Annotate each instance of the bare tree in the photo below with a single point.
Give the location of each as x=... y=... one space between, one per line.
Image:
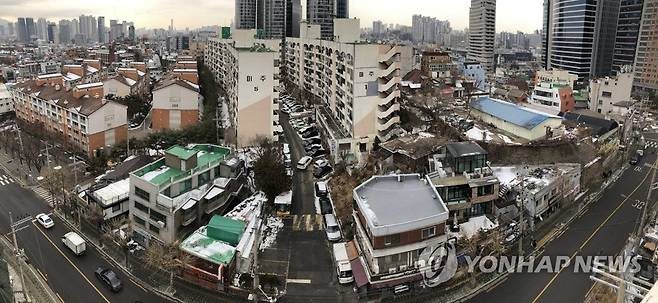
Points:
x=167 y=257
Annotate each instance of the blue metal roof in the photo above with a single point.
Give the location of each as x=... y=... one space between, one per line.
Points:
x=512 y=113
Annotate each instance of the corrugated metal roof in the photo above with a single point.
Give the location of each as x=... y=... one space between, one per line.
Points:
x=512 y=113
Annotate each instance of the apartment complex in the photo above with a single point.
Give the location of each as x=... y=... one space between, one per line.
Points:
x=170 y=197
x=358 y=84
x=248 y=70
x=399 y=220
x=176 y=104
x=80 y=114
x=646 y=65
x=482 y=33
x=605 y=92
x=464 y=180
x=6 y=104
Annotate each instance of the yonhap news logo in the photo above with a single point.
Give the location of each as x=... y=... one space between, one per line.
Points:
x=441 y=265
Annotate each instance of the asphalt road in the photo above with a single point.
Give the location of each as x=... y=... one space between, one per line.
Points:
x=311 y=275
x=602 y=229
x=70 y=276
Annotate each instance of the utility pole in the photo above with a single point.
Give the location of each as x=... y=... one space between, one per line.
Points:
x=522 y=197
x=646 y=203
x=17 y=251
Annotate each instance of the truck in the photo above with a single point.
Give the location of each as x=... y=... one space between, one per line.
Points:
x=343 y=267
x=75 y=243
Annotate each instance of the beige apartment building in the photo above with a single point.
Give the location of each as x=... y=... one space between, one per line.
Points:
x=357 y=82
x=248 y=70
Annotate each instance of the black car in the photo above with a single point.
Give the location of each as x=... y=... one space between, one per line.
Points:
x=321 y=172
x=309 y=133
x=634 y=160
x=109 y=278
x=312 y=140
x=647 y=271
x=316 y=152
x=325 y=205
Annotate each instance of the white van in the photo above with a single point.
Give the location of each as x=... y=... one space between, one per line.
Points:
x=75 y=243
x=343 y=267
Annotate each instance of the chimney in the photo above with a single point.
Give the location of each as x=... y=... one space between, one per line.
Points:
x=57 y=87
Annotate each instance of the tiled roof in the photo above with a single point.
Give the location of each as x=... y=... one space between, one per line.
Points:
x=85 y=105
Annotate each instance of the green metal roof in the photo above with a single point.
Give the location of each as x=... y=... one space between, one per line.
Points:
x=225 y=229
x=200 y=245
x=181 y=152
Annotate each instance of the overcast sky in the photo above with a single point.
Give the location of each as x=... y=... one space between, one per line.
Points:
x=512 y=15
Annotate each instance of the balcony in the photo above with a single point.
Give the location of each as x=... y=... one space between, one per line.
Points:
x=388 y=55
x=390 y=84
x=387 y=100
x=392 y=109
x=383 y=125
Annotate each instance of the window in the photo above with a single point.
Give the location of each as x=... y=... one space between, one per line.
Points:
x=392 y=240
x=116 y=208
x=154 y=228
x=249 y=78
x=204 y=178
x=142 y=194
x=427 y=233
x=141 y=207
x=606 y=94
x=139 y=220
x=255 y=88
x=360 y=74
x=485 y=190
x=371 y=73
x=156 y=216
x=186 y=186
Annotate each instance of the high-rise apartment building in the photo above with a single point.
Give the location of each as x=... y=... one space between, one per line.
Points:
x=646 y=64
x=31 y=29
x=342 y=9
x=271 y=18
x=42 y=29
x=245 y=14
x=356 y=82
x=430 y=30
x=51 y=33
x=628 y=31
x=322 y=12
x=101 y=29
x=578 y=36
x=248 y=70
x=21 y=30
x=293 y=17
x=94 y=29
x=482 y=33
x=65 y=31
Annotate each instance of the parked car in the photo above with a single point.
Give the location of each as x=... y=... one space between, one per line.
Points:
x=286 y=148
x=309 y=134
x=325 y=205
x=304 y=162
x=331 y=228
x=109 y=278
x=321 y=163
x=647 y=271
x=634 y=159
x=322 y=172
x=321 y=189
x=307 y=128
x=315 y=139
x=45 y=221
x=317 y=153
x=311 y=147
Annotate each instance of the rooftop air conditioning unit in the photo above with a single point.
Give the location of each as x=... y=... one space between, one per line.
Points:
x=392 y=270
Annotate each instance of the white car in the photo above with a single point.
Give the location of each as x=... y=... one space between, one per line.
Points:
x=304 y=162
x=331 y=228
x=45 y=221
x=286 y=148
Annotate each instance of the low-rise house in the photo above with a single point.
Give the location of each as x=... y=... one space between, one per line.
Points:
x=176 y=104
x=85 y=72
x=462 y=176
x=552 y=98
x=170 y=196
x=412 y=152
x=543 y=188
x=519 y=121
x=599 y=126
x=397 y=218
x=413 y=79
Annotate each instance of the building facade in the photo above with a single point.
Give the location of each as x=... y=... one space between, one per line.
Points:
x=482 y=33
x=176 y=104
x=248 y=70
x=628 y=31
x=552 y=98
x=322 y=12
x=80 y=115
x=646 y=66
x=293 y=17
x=605 y=92
x=357 y=84
x=170 y=197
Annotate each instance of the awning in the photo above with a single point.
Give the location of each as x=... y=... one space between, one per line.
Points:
x=360 y=277
x=189 y=204
x=351 y=250
x=214 y=192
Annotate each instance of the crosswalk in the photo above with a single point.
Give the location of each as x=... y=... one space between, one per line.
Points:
x=652 y=144
x=307 y=222
x=4 y=180
x=44 y=194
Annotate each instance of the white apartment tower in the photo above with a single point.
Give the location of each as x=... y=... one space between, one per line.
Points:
x=482 y=33
x=356 y=82
x=248 y=70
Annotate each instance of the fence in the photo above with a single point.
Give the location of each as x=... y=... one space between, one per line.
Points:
x=36 y=287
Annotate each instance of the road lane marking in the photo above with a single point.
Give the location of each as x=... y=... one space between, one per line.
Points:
x=42 y=275
x=60 y=297
x=309 y=226
x=72 y=264
x=550 y=282
x=298 y=281
x=137 y=284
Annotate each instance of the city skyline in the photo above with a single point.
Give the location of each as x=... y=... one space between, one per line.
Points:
x=157 y=14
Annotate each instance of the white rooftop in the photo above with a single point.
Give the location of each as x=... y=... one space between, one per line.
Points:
x=114 y=192
x=399 y=203
x=89 y=85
